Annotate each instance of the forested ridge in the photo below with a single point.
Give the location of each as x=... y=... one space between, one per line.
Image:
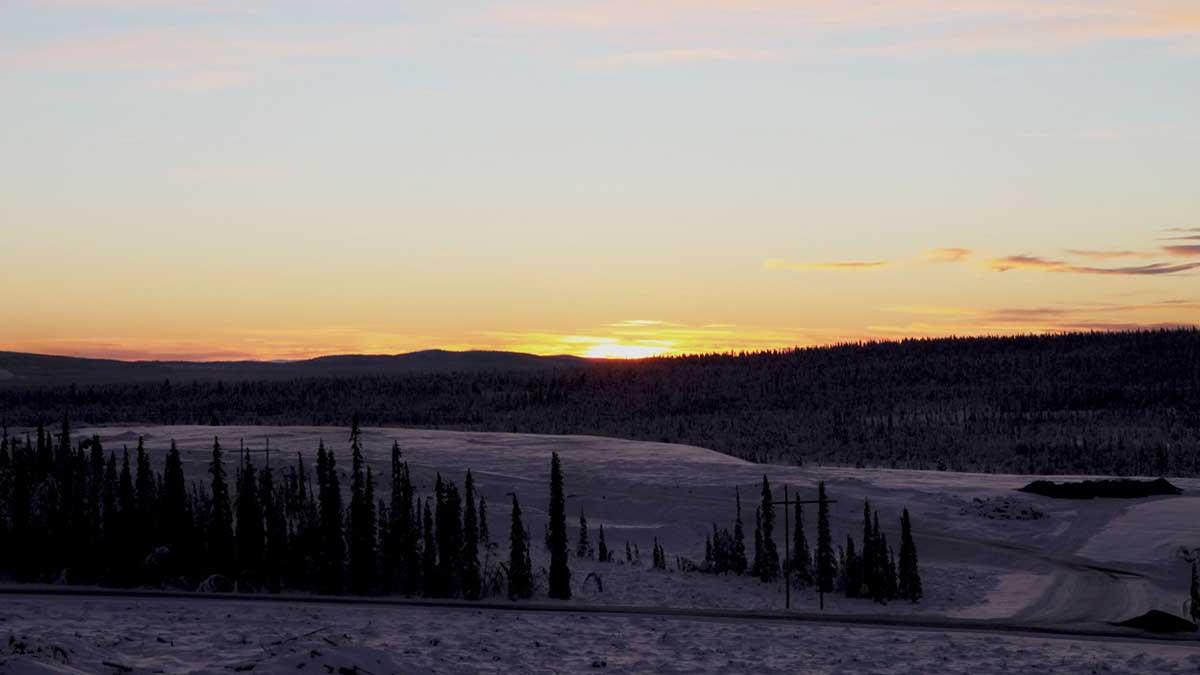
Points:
x=1110 y=403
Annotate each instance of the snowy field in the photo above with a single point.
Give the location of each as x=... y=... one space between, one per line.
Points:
x=70 y=636
x=987 y=552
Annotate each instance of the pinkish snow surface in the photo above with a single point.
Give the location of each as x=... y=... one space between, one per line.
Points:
x=73 y=636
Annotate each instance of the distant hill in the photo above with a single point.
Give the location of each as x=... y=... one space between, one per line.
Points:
x=18 y=369
x=1124 y=404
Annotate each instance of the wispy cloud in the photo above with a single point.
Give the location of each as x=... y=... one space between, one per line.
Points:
x=832 y=27
x=1016 y=262
x=200 y=58
x=948 y=255
x=845 y=265
x=1091 y=254
x=1184 y=251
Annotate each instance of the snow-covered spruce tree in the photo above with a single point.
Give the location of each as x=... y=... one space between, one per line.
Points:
x=801 y=557
x=738 y=558
x=220 y=519
x=520 y=576
x=472 y=578
x=824 y=555
x=909 y=574
x=602 y=552
x=584 y=548
x=560 y=573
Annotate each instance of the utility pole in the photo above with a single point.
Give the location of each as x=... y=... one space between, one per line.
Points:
x=787 y=534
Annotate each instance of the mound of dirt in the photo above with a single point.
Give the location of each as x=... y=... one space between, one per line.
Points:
x=1124 y=488
x=1156 y=621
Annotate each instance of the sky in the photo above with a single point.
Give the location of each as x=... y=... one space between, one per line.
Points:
x=213 y=179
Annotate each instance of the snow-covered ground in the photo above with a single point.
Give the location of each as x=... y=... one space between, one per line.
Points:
x=986 y=551
x=71 y=636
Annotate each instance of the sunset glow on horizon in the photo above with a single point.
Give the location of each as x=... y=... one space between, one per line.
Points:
x=213 y=180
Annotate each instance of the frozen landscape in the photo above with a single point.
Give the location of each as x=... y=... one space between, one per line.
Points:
x=988 y=554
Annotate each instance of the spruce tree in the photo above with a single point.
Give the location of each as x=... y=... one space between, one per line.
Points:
x=485 y=536
x=249 y=536
x=472 y=578
x=909 y=574
x=801 y=557
x=824 y=556
x=127 y=540
x=220 y=519
x=757 y=568
x=176 y=516
x=147 y=499
x=399 y=525
x=768 y=567
x=448 y=521
x=854 y=570
x=602 y=547
x=868 y=553
x=879 y=581
x=362 y=521
x=275 y=549
x=429 y=554
x=560 y=573
x=1194 y=592
x=520 y=574
x=332 y=540
x=739 y=538
x=111 y=516
x=584 y=548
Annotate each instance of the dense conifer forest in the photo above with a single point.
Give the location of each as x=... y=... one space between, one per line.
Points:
x=1089 y=403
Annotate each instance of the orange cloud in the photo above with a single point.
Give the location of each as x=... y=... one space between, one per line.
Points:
x=1184 y=251
x=1105 y=255
x=948 y=255
x=1013 y=262
x=849 y=265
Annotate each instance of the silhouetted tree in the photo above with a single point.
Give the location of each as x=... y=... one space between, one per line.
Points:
x=824 y=555
x=560 y=573
x=520 y=574
x=472 y=578
x=909 y=574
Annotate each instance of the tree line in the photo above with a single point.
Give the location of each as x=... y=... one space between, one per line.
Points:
x=872 y=570
x=77 y=513
x=1083 y=403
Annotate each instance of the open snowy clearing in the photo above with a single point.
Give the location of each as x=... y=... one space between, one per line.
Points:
x=986 y=550
x=69 y=636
